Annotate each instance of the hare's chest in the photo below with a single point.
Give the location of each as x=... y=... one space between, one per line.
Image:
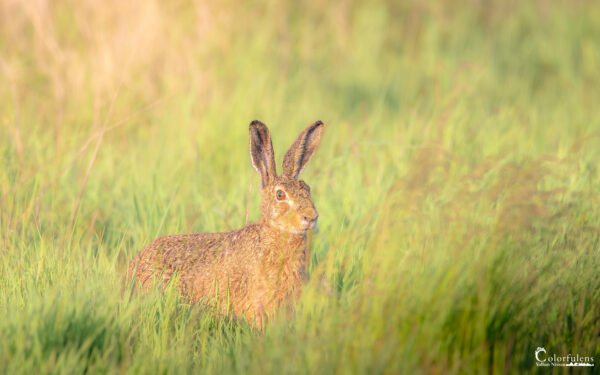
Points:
x=282 y=271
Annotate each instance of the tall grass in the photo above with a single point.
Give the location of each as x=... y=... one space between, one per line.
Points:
x=457 y=181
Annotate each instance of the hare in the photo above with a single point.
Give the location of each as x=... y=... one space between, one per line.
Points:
x=252 y=271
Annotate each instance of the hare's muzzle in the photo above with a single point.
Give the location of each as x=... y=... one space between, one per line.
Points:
x=314 y=225
x=310 y=221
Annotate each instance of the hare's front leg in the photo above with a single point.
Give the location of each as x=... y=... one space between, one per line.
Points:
x=256 y=317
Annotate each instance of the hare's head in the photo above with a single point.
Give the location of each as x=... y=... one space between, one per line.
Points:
x=285 y=200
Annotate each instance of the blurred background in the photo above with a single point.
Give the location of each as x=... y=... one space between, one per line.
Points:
x=72 y=64
x=457 y=181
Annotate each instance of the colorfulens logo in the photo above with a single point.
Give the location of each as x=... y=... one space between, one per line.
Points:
x=543 y=359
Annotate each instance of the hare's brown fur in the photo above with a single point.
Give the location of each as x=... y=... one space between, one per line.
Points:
x=252 y=271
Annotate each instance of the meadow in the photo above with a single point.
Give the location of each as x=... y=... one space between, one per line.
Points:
x=457 y=181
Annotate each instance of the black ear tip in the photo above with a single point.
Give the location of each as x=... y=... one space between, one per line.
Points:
x=318 y=123
x=256 y=123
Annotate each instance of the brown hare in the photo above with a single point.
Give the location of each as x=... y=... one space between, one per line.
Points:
x=252 y=271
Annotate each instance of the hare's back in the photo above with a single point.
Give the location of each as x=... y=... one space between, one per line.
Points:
x=177 y=253
x=187 y=249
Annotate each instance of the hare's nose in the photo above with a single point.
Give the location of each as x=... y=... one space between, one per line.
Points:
x=311 y=218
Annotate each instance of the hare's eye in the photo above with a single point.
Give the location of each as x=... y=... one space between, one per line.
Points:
x=280 y=194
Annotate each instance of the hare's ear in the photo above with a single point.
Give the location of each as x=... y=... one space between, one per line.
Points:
x=261 y=152
x=302 y=150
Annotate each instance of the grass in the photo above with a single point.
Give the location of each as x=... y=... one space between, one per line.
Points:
x=457 y=181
